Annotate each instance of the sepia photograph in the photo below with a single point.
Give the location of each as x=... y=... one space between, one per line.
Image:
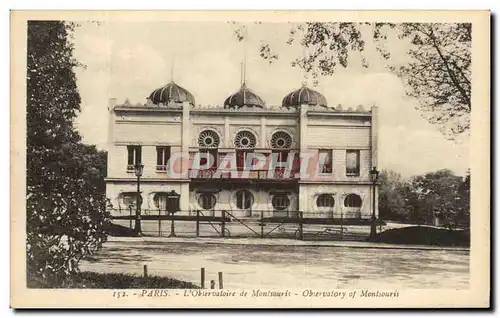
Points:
x=250 y=160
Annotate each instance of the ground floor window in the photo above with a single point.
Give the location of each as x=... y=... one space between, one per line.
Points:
x=160 y=200
x=352 y=201
x=280 y=202
x=207 y=201
x=128 y=200
x=325 y=201
x=244 y=199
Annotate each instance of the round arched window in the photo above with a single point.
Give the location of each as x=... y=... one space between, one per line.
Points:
x=280 y=202
x=160 y=200
x=352 y=201
x=207 y=201
x=325 y=201
x=208 y=139
x=244 y=199
x=245 y=140
x=281 y=140
x=129 y=199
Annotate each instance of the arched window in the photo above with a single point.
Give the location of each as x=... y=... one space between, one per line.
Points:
x=207 y=201
x=208 y=139
x=245 y=140
x=352 y=201
x=325 y=200
x=128 y=200
x=244 y=199
x=281 y=140
x=160 y=200
x=208 y=142
x=280 y=202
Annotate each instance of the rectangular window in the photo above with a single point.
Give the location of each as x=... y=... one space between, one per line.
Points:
x=352 y=162
x=134 y=157
x=162 y=157
x=241 y=159
x=207 y=153
x=325 y=162
x=282 y=156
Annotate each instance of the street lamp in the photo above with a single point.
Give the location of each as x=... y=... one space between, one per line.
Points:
x=173 y=205
x=373 y=229
x=138 y=173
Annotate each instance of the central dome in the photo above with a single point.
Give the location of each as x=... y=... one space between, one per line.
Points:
x=304 y=95
x=171 y=93
x=244 y=97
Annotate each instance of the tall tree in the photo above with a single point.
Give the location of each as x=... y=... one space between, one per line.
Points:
x=392 y=204
x=437 y=72
x=66 y=204
x=438 y=194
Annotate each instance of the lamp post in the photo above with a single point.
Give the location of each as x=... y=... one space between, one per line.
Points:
x=138 y=173
x=373 y=229
x=173 y=205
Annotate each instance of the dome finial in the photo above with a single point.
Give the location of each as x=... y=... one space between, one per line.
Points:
x=304 y=73
x=242 y=81
x=245 y=67
x=172 y=70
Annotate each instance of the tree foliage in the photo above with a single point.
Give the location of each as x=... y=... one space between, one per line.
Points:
x=438 y=194
x=391 y=195
x=438 y=74
x=437 y=70
x=66 y=204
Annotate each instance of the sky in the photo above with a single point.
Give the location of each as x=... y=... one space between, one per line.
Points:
x=128 y=60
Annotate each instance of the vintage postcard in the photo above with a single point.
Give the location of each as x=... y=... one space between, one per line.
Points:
x=250 y=159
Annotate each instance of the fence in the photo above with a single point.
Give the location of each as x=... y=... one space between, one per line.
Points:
x=260 y=223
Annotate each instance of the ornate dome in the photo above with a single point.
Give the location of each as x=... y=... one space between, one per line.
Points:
x=244 y=97
x=171 y=93
x=304 y=95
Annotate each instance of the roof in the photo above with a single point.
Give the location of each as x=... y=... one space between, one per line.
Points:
x=171 y=93
x=304 y=95
x=244 y=97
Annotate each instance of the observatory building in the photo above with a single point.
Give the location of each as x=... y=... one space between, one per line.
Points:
x=244 y=157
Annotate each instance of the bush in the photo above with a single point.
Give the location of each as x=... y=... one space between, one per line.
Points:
x=111 y=280
x=423 y=235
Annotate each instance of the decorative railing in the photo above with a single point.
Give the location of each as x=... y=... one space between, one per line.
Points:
x=235 y=174
x=161 y=168
x=250 y=213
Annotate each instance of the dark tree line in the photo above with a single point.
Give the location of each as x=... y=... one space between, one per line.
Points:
x=66 y=203
x=423 y=198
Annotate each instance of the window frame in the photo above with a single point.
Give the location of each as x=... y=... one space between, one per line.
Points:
x=203 y=196
x=322 y=199
x=134 y=157
x=349 y=198
x=357 y=170
x=241 y=159
x=125 y=196
x=329 y=166
x=250 y=196
x=282 y=207
x=156 y=200
x=162 y=158
x=215 y=154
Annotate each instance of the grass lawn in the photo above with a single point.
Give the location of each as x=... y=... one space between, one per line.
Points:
x=112 y=281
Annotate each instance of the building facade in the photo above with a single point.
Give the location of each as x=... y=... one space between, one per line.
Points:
x=243 y=157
